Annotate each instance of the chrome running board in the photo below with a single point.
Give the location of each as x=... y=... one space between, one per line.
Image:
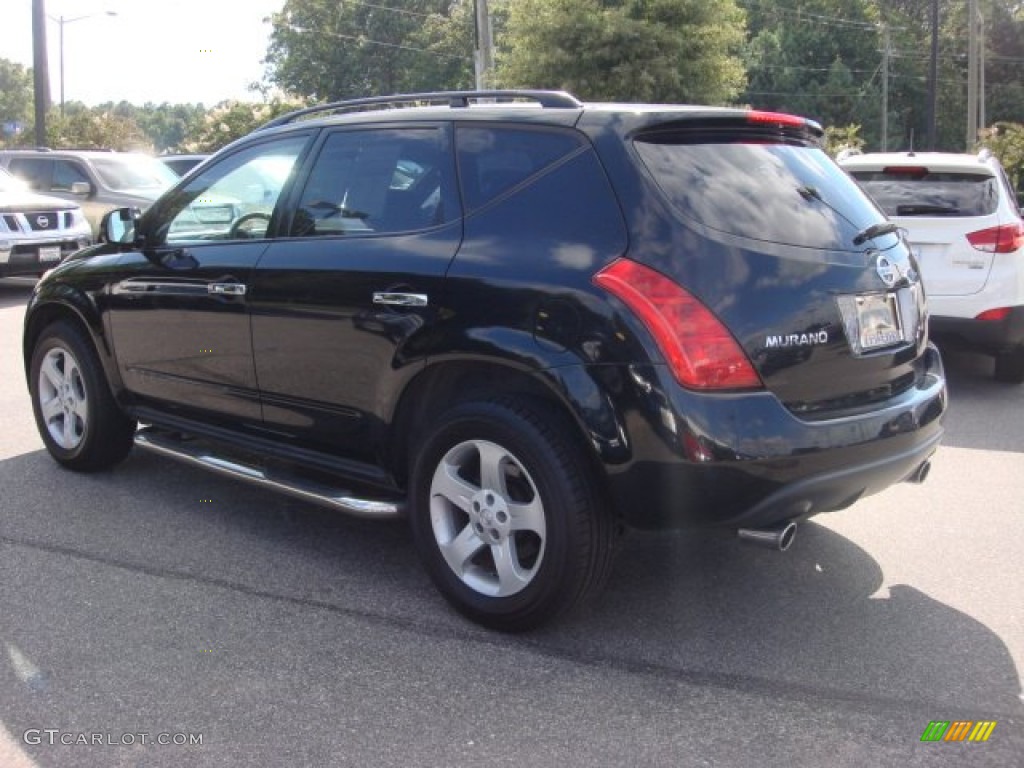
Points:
x=201 y=455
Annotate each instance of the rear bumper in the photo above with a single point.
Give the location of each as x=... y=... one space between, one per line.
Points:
x=982 y=335
x=745 y=461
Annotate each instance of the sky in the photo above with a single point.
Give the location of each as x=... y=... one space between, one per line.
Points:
x=178 y=51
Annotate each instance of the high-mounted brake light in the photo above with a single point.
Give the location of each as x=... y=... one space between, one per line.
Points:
x=776 y=118
x=698 y=348
x=1005 y=238
x=917 y=171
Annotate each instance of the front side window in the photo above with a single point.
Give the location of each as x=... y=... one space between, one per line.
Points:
x=134 y=173
x=33 y=171
x=233 y=199
x=65 y=174
x=379 y=181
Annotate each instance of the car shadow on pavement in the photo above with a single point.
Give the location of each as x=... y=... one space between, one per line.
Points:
x=809 y=622
x=983 y=413
x=699 y=608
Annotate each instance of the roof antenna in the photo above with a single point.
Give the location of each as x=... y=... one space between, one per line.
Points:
x=911 y=152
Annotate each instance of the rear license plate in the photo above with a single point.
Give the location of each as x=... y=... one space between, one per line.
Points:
x=49 y=253
x=878 y=321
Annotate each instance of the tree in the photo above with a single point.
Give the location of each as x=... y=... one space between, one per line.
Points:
x=1006 y=141
x=845 y=137
x=818 y=58
x=15 y=96
x=324 y=50
x=625 y=50
x=231 y=120
x=83 y=127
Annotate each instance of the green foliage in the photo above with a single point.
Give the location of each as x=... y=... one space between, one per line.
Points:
x=231 y=120
x=15 y=95
x=1006 y=141
x=326 y=51
x=626 y=50
x=82 y=127
x=823 y=59
x=840 y=137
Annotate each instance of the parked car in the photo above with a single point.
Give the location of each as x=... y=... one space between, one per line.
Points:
x=36 y=231
x=522 y=322
x=182 y=164
x=97 y=181
x=964 y=224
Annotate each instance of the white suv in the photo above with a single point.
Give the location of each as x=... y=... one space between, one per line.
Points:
x=964 y=225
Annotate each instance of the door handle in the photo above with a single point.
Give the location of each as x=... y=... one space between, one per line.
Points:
x=226 y=289
x=400 y=299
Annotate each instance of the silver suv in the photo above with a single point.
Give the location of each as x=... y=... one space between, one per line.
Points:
x=36 y=232
x=98 y=181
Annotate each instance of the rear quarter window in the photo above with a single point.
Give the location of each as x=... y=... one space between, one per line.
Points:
x=767 y=190
x=495 y=159
x=920 y=192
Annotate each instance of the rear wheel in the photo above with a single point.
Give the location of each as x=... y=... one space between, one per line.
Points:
x=506 y=514
x=1010 y=366
x=76 y=415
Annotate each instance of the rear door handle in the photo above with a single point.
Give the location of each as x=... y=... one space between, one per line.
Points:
x=226 y=289
x=400 y=299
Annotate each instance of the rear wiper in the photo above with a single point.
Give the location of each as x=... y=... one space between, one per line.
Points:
x=875 y=230
x=925 y=209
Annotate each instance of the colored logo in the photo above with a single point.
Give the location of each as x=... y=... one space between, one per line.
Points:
x=958 y=730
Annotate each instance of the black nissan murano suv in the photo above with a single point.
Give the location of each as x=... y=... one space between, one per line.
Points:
x=522 y=322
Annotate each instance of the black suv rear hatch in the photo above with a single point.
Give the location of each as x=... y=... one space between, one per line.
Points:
x=785 y=249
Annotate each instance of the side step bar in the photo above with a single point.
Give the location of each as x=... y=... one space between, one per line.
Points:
x=199 y=454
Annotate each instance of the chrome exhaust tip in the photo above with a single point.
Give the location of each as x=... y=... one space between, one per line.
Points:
x=920 y=474
x=779 y=538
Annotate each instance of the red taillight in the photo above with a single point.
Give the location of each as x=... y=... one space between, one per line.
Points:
x=1005 y=238
x=698 y=348
x=776 y=118
x=994 y=314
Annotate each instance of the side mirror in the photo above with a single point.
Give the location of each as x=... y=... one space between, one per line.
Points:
x=119 y=225
x=81 y=188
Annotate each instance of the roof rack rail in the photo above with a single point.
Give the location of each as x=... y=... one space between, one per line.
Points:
x=547 y=99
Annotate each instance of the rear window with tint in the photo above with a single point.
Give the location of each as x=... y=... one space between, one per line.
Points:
x=911 y=192
x=779 y=192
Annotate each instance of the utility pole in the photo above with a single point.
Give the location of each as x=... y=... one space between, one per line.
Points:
x=972 y=74
x=886 y=51
x=933 y=80
x=981 y=69
x=40 y=70
x=483 y=56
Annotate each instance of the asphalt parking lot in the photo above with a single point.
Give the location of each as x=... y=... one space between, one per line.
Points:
x=159 y=601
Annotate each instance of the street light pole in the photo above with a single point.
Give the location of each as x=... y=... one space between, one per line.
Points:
x=61 y=21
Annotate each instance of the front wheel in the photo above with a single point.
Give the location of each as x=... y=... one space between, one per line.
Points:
x=76 y=415
x=506 y=514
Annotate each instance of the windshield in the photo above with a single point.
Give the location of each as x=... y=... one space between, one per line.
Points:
x=10 y=183
x=913 y=192
x=134 y=172
x=788 y=193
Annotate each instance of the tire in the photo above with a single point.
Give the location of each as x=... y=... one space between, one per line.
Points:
x=81 y=425
x=1010 y=366
x=497 y=483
